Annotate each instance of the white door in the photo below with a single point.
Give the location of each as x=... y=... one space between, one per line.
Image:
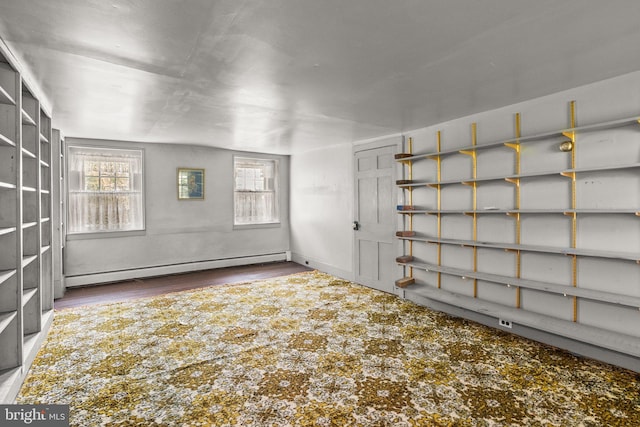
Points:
x=375 y=217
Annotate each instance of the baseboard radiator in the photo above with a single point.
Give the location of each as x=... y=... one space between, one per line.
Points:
x=139 y=273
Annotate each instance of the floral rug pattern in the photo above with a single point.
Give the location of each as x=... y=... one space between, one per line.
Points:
x=312 y=350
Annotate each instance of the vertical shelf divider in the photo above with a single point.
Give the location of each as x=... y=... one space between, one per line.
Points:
x=410 y=189
x=439 y=202
x=39 y=157
x=474 y=186
x=516 y=182
x=19 y=216
x=571 y=134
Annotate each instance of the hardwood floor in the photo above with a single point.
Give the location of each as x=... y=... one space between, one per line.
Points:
x=150 y=286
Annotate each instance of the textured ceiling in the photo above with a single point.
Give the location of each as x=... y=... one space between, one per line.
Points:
x=287 y=75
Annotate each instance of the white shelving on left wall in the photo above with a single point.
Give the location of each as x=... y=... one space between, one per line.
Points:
x=26 y=274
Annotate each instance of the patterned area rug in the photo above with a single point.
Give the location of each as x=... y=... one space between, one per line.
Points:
x=312 y=350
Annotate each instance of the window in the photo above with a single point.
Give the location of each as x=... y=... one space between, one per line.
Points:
x=256 y=191
x=105 y=190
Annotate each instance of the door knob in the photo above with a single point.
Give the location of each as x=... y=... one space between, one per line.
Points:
x=356 y=225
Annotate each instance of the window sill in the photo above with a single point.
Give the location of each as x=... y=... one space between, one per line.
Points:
x=105 y=234
x=263 y=225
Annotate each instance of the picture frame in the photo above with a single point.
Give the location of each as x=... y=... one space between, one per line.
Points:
x=190 y=184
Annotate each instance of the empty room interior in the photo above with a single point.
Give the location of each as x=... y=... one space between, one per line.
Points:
x=320 y=213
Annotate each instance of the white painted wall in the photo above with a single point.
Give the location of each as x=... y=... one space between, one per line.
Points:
x=181 y=232
x=322 y=209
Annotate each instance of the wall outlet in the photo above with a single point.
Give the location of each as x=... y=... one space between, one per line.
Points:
x=504 y=323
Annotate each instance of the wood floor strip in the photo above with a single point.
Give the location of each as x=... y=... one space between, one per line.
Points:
x=151 y=286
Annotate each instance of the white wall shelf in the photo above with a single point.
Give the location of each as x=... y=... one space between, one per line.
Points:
x=5 y=319
x=560 y=134
x=565 y=173
x=27 y=120
x=529 y=248
x=543 y=229
x=6 y=141
x=508 y=281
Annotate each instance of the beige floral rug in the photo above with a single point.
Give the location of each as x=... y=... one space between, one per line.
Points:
x=312 y=350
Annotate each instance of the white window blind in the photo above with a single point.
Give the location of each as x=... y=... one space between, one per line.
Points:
x=105 y=190
x=256 y=191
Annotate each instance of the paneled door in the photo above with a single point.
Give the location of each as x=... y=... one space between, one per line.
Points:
x=375 y=217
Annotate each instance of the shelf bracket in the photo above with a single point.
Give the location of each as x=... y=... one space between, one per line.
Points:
x=571 y=175
x=515 y=181
x=513 y=145
x=569 y=134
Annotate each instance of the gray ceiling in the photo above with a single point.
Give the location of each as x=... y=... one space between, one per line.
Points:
x=287 y=75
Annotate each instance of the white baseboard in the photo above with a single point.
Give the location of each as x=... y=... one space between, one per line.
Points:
x=138 y=273
x=325 y=268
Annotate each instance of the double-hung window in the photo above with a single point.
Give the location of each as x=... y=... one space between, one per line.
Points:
x=255 y=191
x=105 y=190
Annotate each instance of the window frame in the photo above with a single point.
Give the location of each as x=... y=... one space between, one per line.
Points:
x=276 y=191
x=82 y=235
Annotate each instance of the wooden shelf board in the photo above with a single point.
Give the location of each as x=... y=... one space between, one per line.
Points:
x=44 y=191
x=415 y=184
x=602 y=338
x=45 y=219
x=527 y=211
x=27 y=120
x=26 y=225
x=489 y=145
x=6 y=275
x=531 y=138
x=27 y=294
x=628 y=256
x=4 y=141
x=26 y=260
x=44 y=249
x=27 y=153
x=603 y=211
x=44 y=164
x=7 y=185
x=5 y=98
x=564 y=290
x=558 y=173
x=612 y=124
x=6 y=318
x=603 y=168
x=29 y=189
x=7 y=230
x=44 y=138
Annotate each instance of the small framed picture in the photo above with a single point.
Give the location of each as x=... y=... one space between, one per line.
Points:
x=190 y=184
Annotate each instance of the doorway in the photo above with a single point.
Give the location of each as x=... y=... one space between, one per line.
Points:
x=375 y=216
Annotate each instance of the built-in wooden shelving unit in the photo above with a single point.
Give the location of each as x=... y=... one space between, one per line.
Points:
x=26 y=280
